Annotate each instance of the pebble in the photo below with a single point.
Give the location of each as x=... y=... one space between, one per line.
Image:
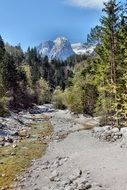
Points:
x=54 y=175
x=13 y=154
x=107 y=133
x=65 y=182
x=14 y=145
x=88 y=185
x=69 y=188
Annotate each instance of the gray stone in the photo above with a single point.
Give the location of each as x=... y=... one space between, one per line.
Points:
x=65 y=182
x=54 y=175
x=69 y=188
x=77 y=173
x=81 y=187
x=88 y=185
x=107 y=128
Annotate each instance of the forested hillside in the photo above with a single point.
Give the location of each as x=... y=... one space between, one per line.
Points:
x=28 y=79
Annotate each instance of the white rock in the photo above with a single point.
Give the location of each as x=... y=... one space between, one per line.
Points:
x=54 y=175
x=115 y=130
x=77 y=173
x=124 y=134
x=14 y=145
x=124 y=131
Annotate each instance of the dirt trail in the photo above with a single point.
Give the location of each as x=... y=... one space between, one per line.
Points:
x=78 y=161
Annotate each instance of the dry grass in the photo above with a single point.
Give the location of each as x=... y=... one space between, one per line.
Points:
x=88 y=126
x=14 y=160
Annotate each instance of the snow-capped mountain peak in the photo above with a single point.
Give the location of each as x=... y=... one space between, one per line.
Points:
x=61 y=49
x=60 y=40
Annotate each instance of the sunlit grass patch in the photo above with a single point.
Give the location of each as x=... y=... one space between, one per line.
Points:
x=14 y=160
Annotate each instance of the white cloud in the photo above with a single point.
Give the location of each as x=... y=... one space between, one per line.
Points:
x=93 y=4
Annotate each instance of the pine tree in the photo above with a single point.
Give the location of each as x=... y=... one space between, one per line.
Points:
x=10 y=73
x=107 y=63
x=2 y=49
x=2 y=52
x=34 y=62
x=3 y=99
x=121 y=105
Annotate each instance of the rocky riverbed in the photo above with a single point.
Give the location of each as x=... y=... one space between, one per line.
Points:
x=16 y=126
x=81 y=155
x=75 y=160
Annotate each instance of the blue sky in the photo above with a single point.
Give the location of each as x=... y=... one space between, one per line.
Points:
x=30 y=22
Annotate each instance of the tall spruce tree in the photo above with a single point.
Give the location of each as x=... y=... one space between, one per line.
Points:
x=2 y=52
x=2 y=49
x=107 y=62
x=121 y=105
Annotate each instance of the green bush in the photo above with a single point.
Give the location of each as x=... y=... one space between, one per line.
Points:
x=73 y=99
x=3 y=101
x=3 y=106
x=42 y=92
x=58 y=98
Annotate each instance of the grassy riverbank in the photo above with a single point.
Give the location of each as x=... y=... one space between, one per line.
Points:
x=14 y=159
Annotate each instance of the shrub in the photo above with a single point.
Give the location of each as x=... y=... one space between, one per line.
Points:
x=42 y=92
x=3 y=101
x=73 y=99
x=26 y=69
x=3 y=106
x=58 y=98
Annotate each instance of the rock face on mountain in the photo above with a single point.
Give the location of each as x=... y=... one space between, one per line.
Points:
x=45 y=49
x=58 y=49
x=61 y=49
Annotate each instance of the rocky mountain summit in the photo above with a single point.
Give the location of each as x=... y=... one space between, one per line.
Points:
x=58 y=49
x=62 y=49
